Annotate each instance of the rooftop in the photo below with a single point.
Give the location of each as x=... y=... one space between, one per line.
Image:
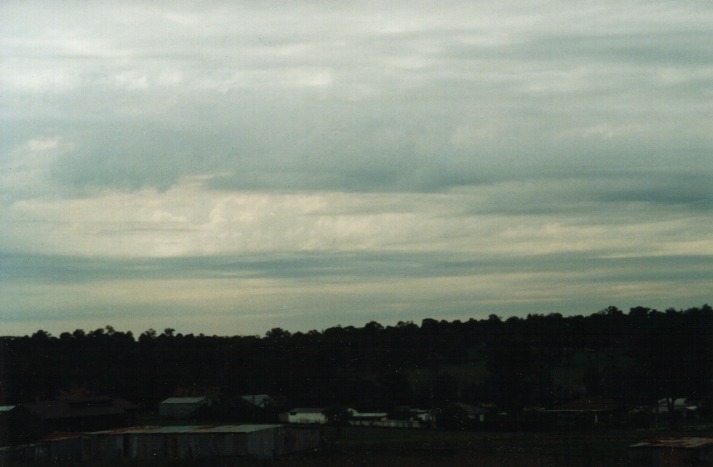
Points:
x=184 y=400
x=308 y=410
x=187 y=429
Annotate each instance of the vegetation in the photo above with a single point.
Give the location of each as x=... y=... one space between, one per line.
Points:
x=540 y=360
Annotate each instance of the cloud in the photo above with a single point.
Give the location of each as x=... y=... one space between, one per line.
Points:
x=383 y=99
x=312 y=290
x=504 y=218
x=372 y=142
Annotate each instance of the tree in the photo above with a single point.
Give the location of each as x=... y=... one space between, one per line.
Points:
x=277 y=334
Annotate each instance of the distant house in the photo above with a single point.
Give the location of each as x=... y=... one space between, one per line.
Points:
x=412 y=414
x=305 y=416
x=474 y=413
x=682 y=408
x=85 y=414
x=366 y=416
x=183 y=407
x=379 y=419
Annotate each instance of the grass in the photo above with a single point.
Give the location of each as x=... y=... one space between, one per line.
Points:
x=383 y=446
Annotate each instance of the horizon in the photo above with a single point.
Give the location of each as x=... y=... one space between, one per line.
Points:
x=236 y=167
x=417 y=322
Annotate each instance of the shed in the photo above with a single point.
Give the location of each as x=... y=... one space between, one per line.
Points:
x=197 y=442
x=307 y=415
x=366 y=416
x=182 y=407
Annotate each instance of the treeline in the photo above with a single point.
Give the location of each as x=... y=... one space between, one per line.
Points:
x=635 y=357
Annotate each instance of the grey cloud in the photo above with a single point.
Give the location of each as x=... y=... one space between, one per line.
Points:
x=349 y=267
x=592 y=117
x=233 y=110
x=693 y=191
x=368 y=286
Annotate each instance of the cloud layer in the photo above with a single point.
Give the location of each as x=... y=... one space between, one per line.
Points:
x=361 y=161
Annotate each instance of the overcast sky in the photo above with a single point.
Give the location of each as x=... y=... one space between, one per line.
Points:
x=229 y=167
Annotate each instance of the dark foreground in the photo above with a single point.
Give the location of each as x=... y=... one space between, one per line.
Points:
x=377 y=447
x=362 y=446
x=358 y=446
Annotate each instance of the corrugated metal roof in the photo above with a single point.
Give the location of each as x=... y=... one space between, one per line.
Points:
x=308 y=410
x=685 y=443
x=129 y=429
x=184 y=400
x=237 y=428
x=187 y=429
x=59 y=436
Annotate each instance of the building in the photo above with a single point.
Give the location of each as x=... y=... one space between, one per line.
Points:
x=683 y=409
x=474 y=413
x=423 y=416
x=305 y=416
x=198 y=442
x=183 y=407
x=366 y=416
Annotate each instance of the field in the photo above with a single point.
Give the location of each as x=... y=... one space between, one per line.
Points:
x=395 y=448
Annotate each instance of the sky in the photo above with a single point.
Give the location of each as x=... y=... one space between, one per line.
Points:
x=228 y=167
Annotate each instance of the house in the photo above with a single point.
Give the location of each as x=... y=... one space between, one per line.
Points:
x=77 y=415
x=673 y=451
x=183 y=407
x=474 y=413
x=366 y=416
x=379 y=419
x=415 y=415
x=305 y=416
x=682 y=408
